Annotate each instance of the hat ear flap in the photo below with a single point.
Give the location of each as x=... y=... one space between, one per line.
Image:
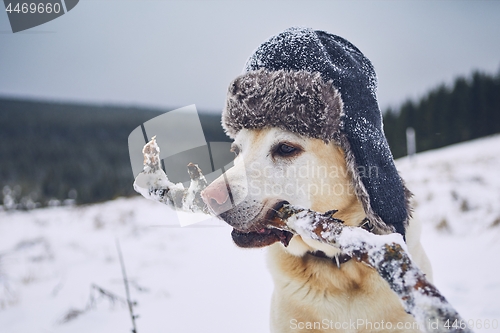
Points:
x=378 y=183
x=385 y=200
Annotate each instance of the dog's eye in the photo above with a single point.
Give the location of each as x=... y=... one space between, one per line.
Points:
x=286 y=150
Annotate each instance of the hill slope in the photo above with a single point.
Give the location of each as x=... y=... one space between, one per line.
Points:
x=194 y=279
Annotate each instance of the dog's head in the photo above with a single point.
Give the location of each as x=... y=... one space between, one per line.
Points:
x=273 y=167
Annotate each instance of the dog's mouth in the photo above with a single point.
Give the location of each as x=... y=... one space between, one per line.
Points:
x=263 y=234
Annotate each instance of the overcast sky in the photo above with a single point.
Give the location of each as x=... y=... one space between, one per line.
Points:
x=175 y=53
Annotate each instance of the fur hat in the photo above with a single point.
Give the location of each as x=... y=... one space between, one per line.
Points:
x=321 y=86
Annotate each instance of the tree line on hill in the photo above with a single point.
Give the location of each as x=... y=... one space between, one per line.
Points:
x=52 y=153
x=466 y=110
x=61 y=152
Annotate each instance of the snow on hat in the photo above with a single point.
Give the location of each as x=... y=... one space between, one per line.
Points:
x=321 y=86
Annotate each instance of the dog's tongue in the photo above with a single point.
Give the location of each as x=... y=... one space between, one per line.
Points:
x=261 y=238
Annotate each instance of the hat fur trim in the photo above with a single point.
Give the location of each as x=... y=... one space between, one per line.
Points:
x=297 y=101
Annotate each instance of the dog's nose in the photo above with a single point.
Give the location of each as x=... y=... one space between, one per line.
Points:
x=218 y=197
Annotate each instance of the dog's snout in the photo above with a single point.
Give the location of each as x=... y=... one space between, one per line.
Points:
x=218 y=197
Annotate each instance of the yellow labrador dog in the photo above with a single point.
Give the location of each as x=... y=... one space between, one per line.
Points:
x=307 y=131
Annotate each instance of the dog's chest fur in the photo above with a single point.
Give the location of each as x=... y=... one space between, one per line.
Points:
x=313 y=295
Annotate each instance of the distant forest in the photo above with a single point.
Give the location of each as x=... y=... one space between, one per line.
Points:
x=466 y=110
x=51 y=152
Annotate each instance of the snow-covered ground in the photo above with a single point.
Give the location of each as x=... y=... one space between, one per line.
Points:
x=457 y=198
x=54 y=260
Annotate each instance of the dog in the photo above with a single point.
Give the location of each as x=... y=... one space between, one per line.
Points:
x=293 y=146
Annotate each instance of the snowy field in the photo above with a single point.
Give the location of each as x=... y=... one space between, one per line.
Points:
x=60 y=270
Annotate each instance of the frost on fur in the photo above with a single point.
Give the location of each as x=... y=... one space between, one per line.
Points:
x=387 y=254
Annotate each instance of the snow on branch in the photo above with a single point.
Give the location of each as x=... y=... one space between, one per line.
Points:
x=153 y=183
x=387 y=254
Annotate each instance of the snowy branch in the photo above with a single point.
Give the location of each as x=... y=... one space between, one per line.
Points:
x=153 y=183
x=387 y=254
